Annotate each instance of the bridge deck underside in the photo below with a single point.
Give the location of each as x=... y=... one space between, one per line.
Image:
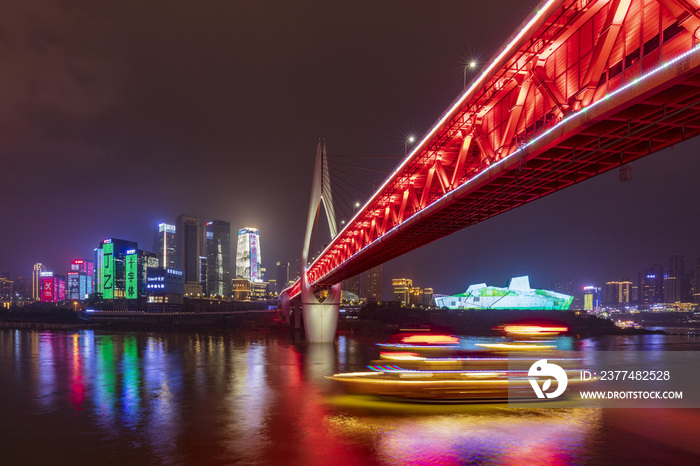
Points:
x=669 y=117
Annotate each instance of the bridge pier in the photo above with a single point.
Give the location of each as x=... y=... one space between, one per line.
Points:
x=297 y=316
x=285 y=306
x=320 y=318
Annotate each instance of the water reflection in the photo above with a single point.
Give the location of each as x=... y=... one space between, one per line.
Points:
x=46 y=386
x=184 y=398
x=77 y=385
x=482 y=435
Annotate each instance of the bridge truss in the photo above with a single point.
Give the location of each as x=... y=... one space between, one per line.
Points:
x=583 y=87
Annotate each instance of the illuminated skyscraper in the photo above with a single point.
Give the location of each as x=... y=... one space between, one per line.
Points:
x=203 y=272
x=218 y=262
x=164 y=245
x=53 y=287
x=618 y=292
x=117 y=262
x=373 y=283
x=591 y=298
x=36 y=280
x=651 y=285
x=248 y=260
x=187 y=245
x=80 y=279
x=281 y=276
x=674 y=279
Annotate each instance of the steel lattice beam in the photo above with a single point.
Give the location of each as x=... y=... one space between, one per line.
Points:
x=584 y=87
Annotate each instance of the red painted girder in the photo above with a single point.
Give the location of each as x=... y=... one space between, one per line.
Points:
x=415 y=184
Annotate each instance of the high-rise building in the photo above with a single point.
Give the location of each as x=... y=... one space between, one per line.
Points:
x=591 y=298
x=625 y=291
x=218 y=234
x=674 y=279
x=689 y=293
x=84 y=285
x=618 y=292
x=651 y=285
x=563 y=286
x=352 y=285
x=53 y=287
x=373 y=283
x=402 y=290
x=36 y=280
x=203 y=273
x=164 y=245
x=147 y=260
x=296 y=274
x=187 y=246
x=248 y=260
x=7 y=288
x=22 y=289
x=281 y=276
x=427 y=298
x=117 y=266
x=416 y=297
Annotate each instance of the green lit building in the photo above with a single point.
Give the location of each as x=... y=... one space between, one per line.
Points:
x=121 y=273
x=517 y=295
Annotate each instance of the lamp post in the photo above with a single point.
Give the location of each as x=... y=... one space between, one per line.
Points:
x=470 y=66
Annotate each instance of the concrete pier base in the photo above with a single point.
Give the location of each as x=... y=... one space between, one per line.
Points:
x=320 y=319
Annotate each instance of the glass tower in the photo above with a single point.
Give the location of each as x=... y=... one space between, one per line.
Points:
x=218 y=261
x=187 y=240
x=248 y=255
x=164 y=245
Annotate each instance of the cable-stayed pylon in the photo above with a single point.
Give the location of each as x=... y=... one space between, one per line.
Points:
x=320 y=317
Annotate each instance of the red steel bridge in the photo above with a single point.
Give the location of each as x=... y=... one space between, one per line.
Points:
x=583 y=87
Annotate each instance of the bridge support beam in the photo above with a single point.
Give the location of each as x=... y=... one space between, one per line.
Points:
x=320 y=318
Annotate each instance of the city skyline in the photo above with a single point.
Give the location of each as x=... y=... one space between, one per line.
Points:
x=147 y=138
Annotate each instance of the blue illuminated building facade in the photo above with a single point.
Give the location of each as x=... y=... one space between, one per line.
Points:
x=165 y=290
x=651 y=285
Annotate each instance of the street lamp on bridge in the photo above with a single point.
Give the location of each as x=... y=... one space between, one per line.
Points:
x=469 y=66
x=410 y=140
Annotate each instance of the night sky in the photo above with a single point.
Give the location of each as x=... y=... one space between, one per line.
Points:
x=120 y=115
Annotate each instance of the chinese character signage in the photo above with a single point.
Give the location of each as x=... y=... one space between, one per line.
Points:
x=131 y=276
x=47 y=290
x=108 y=271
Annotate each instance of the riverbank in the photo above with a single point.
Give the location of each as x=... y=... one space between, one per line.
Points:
x=378 y=323
x=480 y=322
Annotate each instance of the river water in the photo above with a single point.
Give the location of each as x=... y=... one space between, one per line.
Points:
x=107 y=397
